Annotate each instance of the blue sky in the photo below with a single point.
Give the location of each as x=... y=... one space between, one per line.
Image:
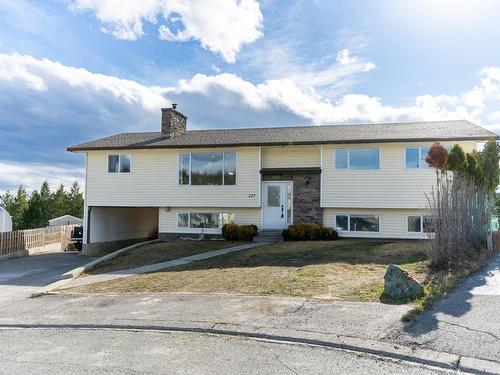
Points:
x=76 y=70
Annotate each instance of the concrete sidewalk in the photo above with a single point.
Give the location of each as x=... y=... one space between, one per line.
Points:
x=92 y=279
x=352 y=326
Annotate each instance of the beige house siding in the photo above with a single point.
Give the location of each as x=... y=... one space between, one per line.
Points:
x=391 y=186
x=153 y=181
x=291 y=156
x=168 y=219
x=392 y=222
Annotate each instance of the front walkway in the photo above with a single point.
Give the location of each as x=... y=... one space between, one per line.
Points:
x=92 y=279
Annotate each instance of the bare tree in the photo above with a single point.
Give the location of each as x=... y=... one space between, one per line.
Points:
x=460 y=207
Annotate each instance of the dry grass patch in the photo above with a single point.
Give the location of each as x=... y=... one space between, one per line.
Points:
x=344 y=269
x=159 y=252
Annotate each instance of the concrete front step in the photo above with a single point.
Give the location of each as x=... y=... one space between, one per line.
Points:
x=269 y=236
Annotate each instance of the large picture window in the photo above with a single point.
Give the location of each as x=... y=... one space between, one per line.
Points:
x=357 y=158
x=119 y=163
x=357 y=223
x=204 y=219
x=207 y=168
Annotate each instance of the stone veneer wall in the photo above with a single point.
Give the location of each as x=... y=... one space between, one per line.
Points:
x=173 y=123
x=306 y=197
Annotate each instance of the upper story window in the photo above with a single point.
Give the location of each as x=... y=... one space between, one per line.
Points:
x=119 y=163
x=415 y=157
x=357 y=158
x=207 y=168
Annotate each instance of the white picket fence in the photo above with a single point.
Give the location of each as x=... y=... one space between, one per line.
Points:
x=38 y=240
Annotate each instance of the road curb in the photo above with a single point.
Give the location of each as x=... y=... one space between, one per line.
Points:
x=419 y=356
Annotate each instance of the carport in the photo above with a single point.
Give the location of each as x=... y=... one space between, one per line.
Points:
x=110 y=228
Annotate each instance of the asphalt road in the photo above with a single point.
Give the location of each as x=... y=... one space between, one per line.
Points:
x=19 y=277
x=466 y=322
x=120 y=352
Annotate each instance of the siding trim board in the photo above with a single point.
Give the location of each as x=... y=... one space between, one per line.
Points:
x=306 y=170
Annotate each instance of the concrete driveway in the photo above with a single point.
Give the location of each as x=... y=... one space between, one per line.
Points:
x=19 y=277
x=466 y=322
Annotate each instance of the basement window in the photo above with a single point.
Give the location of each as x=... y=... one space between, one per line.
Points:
x=204 y=219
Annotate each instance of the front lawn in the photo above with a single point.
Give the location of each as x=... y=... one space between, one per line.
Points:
x=159 y=252
x=344 y=269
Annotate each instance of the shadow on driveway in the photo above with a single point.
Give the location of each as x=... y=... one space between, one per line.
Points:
x=458 y=303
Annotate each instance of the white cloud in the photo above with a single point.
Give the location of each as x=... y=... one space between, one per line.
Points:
x=39 y=74
x=344 y=57
x=283 y=94
x=32 y=175
x=227 y=90
x=222 y=26
x=73 y=105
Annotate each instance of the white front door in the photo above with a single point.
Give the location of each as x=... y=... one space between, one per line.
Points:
x=277 y=204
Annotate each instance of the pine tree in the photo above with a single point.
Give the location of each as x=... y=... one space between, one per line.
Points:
x=34 y=216
x=46 y=202
x=457 y=161
x=488 y=161
x=75 y=199
x=21 y=205
x=60 y=203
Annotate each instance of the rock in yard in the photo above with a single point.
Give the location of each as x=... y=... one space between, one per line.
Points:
x=399 y=285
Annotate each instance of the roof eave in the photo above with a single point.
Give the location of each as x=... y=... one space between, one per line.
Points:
x=253 y=144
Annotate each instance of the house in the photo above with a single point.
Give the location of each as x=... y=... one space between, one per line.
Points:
x=65 y=220
x=368 y=180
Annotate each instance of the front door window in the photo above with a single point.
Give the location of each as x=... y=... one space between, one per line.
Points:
x=277 y=204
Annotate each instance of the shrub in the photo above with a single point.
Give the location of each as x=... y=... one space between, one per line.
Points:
x=327 y=234
x=247 y=232
x=233 y=232
x=309 y=232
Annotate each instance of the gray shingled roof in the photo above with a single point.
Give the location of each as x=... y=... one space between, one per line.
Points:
x=363 y=133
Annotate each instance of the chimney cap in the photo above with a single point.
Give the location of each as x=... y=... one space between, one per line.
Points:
x=174 y=105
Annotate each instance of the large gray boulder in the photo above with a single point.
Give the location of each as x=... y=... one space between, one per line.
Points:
x=399 y=285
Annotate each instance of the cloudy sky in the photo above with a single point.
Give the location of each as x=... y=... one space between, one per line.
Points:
x=76 y=70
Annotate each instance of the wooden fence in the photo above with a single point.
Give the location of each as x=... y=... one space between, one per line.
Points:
x=35 y=240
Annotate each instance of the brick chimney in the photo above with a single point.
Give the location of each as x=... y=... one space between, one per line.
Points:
x=173 y=123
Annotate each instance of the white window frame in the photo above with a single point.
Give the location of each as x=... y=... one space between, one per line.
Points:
x=349 y=159
x=420 y=161
x=349 y=222
x=201 y=212
x=365 y=231
x=119 y=163
x=421 y=224
x=203 y=152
